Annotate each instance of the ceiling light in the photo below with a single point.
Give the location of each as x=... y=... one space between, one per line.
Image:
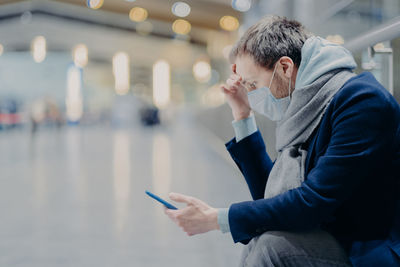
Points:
x=180 y=9
x=161 y=83
x=38 y=47
x=73 y=100
x=80 y=55
x=95 y=4
x=121 y=73
x=181 y=26
x=138 y=14
x=229 y=23
x=241 y=5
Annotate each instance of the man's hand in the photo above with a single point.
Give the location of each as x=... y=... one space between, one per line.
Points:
x=236 y=96
x=196 y=218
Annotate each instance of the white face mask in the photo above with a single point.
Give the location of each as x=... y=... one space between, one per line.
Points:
x=265 y=103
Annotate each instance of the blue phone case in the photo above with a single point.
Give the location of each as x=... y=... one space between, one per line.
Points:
x=165 y=203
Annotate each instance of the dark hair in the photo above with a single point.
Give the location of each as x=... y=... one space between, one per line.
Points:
x=270 y=39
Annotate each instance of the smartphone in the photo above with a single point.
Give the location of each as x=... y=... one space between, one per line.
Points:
x=165 y=203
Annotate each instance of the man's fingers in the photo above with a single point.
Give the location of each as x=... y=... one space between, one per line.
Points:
x=172 y=214
x=232 y=83
x=180 y=198
x=225 y=91
x=228 y=90
x=235 y=77
x=169 y=212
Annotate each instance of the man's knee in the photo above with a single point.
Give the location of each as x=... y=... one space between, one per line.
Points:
x=273 y=245
x=278 y=248
x=266 y=250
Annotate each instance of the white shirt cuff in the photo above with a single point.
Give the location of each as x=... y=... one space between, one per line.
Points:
x=223 y=220
x=245 y=127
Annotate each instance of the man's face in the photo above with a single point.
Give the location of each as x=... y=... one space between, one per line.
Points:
x=255 y=76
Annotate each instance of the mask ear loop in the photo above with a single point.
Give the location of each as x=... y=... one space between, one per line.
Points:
x=290 y=85
x=272 y=78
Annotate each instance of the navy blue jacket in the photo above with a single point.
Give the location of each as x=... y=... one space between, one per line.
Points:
x=352 y=179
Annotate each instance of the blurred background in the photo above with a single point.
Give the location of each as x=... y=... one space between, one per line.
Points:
x=103 y=99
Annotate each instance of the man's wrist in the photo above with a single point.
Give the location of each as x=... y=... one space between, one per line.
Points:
x=240 y=115
x=214 y=219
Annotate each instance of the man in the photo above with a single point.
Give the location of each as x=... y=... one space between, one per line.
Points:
x=331 y=196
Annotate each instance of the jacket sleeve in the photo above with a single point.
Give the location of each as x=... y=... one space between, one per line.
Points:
x=363 y=127
x=253 y=161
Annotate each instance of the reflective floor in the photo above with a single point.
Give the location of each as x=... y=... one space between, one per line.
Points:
x=75 y=197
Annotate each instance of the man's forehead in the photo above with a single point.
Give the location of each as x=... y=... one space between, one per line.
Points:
x=246 y=67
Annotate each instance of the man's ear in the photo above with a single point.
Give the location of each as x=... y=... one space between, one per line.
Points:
x=287 y=66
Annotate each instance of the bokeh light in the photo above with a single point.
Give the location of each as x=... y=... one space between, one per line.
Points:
x=73 y=100
x=161 y=83
x=80 y=55
x=181 y=26
x=202 y=71
x=229 y=23
x=95 y=4
x=241 y=5
x=38 y=48
x=138 y=14
x=180 y=9
x=121 y=72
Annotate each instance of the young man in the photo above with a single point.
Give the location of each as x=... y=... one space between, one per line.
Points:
x=331 y=196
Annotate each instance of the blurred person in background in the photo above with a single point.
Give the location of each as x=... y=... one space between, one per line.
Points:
x=10 y=113
x=45 y=112
x=331 y=198
x=149 y=115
